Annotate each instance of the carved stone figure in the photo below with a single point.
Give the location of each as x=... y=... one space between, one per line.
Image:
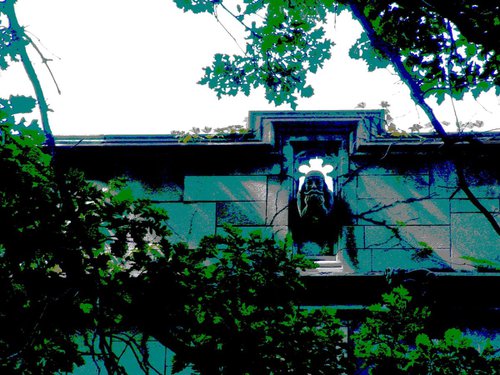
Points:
x=317 y=221
x=315 y=200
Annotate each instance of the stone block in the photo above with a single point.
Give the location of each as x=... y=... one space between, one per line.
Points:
x=466 y=206
x=278 y=196
x=395 y=187
x=409 y=212
x=444 y=183
x=348 y=267
x=473 y=236
x=443 y=180
x=241 y=213
x=349 y=191
x=364 y=261
x=280 y=232
x=353 y=237
x=352 y=249
x=481 y=192
x=382 y=259
x=437 y=237
x=169 y=192
x=190 y=222
x=225 y=188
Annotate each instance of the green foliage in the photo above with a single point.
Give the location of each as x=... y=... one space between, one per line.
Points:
x=438 y=48
x=13 y=48
x=454 y=354
x=285 y=42
x=362 y=49
x=10 y=37
x=383 y=341
x=389 y=124
x=241 y=314
x=394 y=340
x=423 y=251
x=68 y=250
x=483 y=265
x=444 y=54
x=233 y=133
x=81 y=266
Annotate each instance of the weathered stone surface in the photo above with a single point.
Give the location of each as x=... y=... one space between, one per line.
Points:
x=395 y=187
x=169 y=192
x=353 y=237
x=190 y=222
x=278 y=196
x=466 y=206
x=382 y=259
x=415 y=192
x=408 y=212
x=444 y=190
x=481 y=191
x=437 y=237
x=241 y=213
x=348 y=190
x=225 y=188
x=472 y=235
x=444 y=183
x=364 y=261
x=401 y=183
x=280 y=232
x=443 y=180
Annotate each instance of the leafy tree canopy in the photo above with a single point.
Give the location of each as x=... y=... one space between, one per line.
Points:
x=241 y=313
x=437 y=48
x=66 y=250
x=394 y=339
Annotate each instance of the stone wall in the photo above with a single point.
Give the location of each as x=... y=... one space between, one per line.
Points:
x=402 y=213
x=406 y=209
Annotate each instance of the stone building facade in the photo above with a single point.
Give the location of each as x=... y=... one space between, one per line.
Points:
x=396 y=203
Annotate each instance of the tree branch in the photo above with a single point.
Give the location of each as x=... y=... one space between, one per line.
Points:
x=227 y=31
x=415 y=90
x=462 y=183
x=249 y=29
x=418 y=96
x=30 y=71
x=45 y=61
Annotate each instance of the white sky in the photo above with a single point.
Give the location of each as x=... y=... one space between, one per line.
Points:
x=129 y=69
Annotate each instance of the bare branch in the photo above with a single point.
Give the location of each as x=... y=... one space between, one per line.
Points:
x=249 y=29
x=227 y=31
x=45 y=61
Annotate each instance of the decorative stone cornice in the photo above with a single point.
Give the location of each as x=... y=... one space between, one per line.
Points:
x=363 y=129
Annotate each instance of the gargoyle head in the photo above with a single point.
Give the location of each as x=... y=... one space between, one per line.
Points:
x=315 y=200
